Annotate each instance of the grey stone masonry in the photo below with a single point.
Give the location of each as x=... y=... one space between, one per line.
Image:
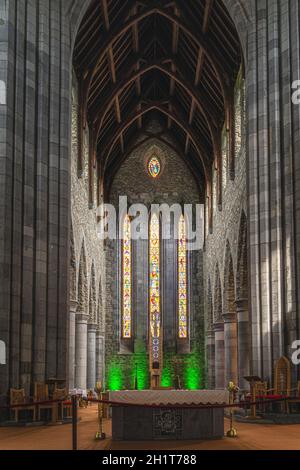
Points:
x=36 y=46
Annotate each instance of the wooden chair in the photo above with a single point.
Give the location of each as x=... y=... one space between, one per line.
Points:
x=296 y=399
x=260 y=390
x=65 y=404
x=282 y=382
x=41 y=393
x=17 y=397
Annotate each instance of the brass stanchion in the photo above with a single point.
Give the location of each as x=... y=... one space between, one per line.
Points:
x=74 y=422
x=100 y=435
x=232 y=390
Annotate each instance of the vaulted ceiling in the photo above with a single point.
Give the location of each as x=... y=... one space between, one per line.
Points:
x=175 y=61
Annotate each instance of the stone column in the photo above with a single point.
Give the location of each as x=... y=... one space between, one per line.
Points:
x=81 y=351
x=219 y=356
x=91 y=356
x=243 y=341
x=72 y=343
x=210 y=354
x=100 y=357
x=230 y=346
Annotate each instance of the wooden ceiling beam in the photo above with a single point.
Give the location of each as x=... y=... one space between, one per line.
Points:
x=136 y=47
x=175 y=40
x=157 y=65
x=112 y=67
x=197 y=36
x=200 y=61
x=178 y=120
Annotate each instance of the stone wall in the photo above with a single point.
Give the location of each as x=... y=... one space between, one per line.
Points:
x=87 y=261
x=36 y=41
x=225 y=268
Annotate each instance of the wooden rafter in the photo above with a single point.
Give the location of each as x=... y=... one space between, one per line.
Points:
x=200 y=60
x=198 y=37
x=112 y=67
x=175 y=40
x=129 y=66
x=158 y=65
x=177 y=119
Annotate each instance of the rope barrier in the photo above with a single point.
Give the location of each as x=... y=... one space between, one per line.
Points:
x=209 y=406
x=243 y=404
x=34 y=403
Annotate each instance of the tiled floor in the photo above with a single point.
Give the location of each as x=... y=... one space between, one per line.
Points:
x=250 y=437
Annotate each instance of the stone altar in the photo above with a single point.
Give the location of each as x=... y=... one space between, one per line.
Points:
x=132 y=423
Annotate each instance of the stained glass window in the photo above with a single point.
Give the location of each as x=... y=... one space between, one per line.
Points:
x=126 y=280
x=182 y=281
x=154 y=281
x=154 y=167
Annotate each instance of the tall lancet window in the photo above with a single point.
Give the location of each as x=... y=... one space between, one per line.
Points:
x=126 y=280
x=182 y=281
x=154 y=286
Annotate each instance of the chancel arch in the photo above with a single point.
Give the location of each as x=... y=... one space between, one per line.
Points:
x=91 y=332
x=41 y=290
x=218 y=328
x=210 y=338
x=82 y=317
x=161 y=264
x=100 y=336
x=242 y=304
x=230 y=320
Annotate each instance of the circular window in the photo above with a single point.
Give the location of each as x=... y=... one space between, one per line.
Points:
x=154 y=167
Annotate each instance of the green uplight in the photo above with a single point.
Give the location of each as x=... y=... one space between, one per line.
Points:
x=166 y=380
x=115 y=377
x=140 y=371
x=193 y=372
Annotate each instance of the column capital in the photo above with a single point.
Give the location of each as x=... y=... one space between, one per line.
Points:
x=241 y=305
x=73 y=306
x=92 y=327
x=218 y=327
x=229 y=317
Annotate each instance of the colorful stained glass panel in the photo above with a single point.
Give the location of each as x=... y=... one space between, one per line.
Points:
x=126 y=280
x=154 y=280
x=182 y=281
x=154 y=167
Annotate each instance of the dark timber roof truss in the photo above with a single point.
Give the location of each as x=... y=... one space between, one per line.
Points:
x=175 y=60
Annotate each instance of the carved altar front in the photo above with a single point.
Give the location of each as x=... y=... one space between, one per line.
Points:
x=157 y=421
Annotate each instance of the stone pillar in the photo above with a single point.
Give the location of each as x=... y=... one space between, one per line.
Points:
x=72 y=343
x=91 y=356
x=230 y=347
x=100 y=357
x=243 y=341
x=210 y=355
x=81 y=351
x=219 y=356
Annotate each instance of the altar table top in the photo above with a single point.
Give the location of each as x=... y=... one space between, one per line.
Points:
x=171 y=397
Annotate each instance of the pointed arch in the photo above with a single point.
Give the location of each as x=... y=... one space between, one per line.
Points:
x=242 y=262
x=155 y=332
x=73 y=270
x=82 y=282
x=127 y=320
x=229 y=282
x=182 y=279
x=210 y=309
x=218 y=307
x=92 y=297
x=100 y=313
